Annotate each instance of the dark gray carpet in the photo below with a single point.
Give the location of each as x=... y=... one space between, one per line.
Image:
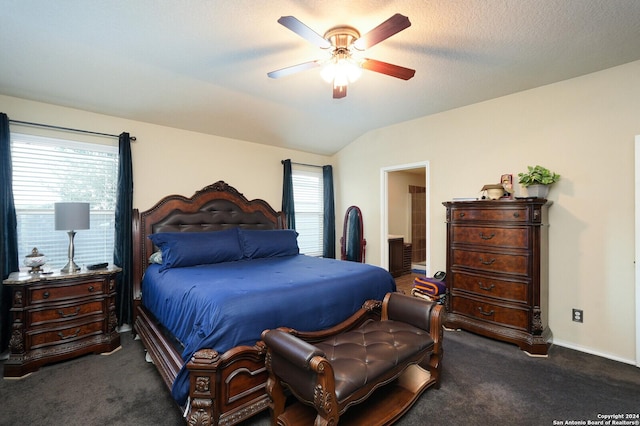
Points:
x=484 y=382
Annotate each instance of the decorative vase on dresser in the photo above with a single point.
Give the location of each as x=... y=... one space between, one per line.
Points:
x=497 y=270
x=60 y=316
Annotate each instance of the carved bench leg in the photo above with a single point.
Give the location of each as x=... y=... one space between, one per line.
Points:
x=323 y=396
x=275 y=390
x=326 y=406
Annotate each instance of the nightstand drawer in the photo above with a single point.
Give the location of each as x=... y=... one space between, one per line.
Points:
x=491 y=236
x=490 y=287
x=64 y=313
x=64 y=292
x=510 y=316
x=60 y=335
x=493 y=262
x=515 y=214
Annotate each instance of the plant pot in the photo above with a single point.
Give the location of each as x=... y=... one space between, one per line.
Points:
x=538 y=191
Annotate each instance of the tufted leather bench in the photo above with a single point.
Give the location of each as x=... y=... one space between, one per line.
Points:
x=346 y=369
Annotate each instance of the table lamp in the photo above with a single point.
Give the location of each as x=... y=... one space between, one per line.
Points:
x=71 y=217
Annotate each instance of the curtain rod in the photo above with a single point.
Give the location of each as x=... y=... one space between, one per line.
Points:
x=68 y=129
x=303 y=164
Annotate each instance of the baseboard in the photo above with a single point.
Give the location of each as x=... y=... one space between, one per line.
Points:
x=579 y=348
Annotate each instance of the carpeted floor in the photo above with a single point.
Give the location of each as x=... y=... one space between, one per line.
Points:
x=485 y=382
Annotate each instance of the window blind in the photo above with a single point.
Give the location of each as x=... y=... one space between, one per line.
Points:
x=47 y=170
x=309 y=207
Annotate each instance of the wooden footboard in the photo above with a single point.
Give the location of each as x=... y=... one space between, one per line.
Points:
x=225 y=389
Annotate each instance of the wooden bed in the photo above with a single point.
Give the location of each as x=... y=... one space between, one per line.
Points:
x=224 y=388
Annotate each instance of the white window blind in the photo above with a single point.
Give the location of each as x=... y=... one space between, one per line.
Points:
x=46 y=171
x=308 y=196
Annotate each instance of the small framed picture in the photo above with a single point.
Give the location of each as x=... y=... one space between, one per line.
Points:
x=507 y=183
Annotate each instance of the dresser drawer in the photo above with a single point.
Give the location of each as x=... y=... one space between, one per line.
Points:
x=50 y=293
x=491 y=236
x=510 y=316
x=59 y=335
x=490 y=287
x=514 y=214
x=493 y=262
x=64 y=313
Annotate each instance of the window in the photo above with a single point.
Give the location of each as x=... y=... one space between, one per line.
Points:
x=308 y=200
x=46 y=171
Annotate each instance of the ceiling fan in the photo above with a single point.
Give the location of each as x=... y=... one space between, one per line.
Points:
x=345 y=43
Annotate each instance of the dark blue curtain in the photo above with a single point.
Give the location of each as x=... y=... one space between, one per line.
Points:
x=287 y=196
x=329 y=222
x=8 y=229
x=123 y=240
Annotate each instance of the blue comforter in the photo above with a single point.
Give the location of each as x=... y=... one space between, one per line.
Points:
x=224 y=305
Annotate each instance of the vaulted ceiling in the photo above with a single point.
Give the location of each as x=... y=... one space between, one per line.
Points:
x=202 y=65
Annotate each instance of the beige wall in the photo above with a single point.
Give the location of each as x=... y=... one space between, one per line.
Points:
x=172 y=161
x=583 y=129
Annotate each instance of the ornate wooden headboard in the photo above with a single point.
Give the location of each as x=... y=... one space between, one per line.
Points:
x=215 y=207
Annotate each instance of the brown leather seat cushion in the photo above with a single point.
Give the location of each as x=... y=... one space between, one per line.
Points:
x=360 y=356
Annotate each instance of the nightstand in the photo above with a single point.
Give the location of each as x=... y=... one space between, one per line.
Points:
x=60 y=316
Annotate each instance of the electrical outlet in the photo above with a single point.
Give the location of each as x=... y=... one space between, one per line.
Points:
x=578 y=315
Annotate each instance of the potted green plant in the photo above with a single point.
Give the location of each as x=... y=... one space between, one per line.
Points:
x=537 y=181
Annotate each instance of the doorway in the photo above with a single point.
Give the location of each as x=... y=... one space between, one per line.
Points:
x=401 y=216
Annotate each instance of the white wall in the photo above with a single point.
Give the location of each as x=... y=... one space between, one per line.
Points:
x=584 y=130
x=173 y=161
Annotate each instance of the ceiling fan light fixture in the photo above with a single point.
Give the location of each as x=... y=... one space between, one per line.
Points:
x=341 y=70
x=345 y=64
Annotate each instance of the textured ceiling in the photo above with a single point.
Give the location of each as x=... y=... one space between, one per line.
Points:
x=202 y=65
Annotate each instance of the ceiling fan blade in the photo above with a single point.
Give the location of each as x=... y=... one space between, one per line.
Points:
x=339 y=92
x=391 y=26
x=283 y=72
x=303 y=31
x=388 y=69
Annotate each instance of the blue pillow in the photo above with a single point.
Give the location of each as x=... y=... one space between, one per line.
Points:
x=180 y=249
x=269 y=243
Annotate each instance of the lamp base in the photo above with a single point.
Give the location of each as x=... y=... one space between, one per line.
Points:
x=70 y=267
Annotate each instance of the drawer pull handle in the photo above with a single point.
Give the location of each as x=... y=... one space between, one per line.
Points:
x=72 y=314
x=487 y=262
x=516 y=214
x=45 y=295
x=91 y=289
x=487 y=237
x=487 y=314
x=70 y=336
x=482 y=287
x=461 y=214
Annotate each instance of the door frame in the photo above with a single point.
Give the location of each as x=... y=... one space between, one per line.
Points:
x=384 y=210
x=637 y=245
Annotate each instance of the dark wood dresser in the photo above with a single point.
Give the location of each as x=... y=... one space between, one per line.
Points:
x=497 y=273
x=60 y=316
